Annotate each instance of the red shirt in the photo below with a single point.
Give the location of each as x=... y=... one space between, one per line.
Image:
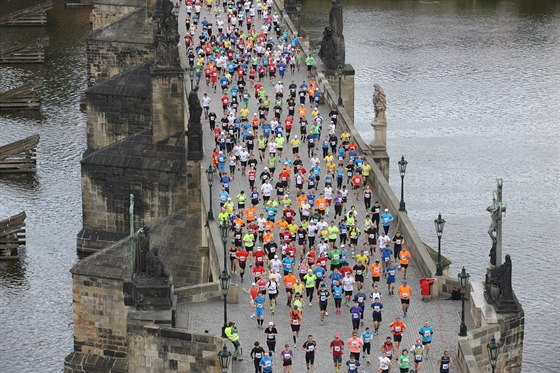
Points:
x=262 y=285
x=357 y=180
x=291 y=251
x=284 y=176
x=311 y=257
x=242 y=255
x=225 y=100
x=345 y=269
x=289 y=215
x=322 y=261
x=259 y=256
x=337 y=346
x=287 y=238
x=258 y=271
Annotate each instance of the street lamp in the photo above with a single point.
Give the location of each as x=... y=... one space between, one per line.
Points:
x=493 y=351
x=298 y=11
x=191 y=75
x=224 y=356
x=339 y=71
x=440 y=223
x=402 y=171
x=463 y=281
x=224 y=282
x=210 y=177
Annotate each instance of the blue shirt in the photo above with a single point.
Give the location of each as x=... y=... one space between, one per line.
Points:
x=337 y=292
x=353 y=366
x=377 y=307
x=288 y=263
x=367 y=337
x=224 y=196
x=259 y=301
x=266 y=362
x=386 y=218
x=319 y=272
x=386 y=254
x=426 y=332
x=335 y=277
x=391 y=270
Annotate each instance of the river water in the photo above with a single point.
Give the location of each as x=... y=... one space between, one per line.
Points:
x=473 y=94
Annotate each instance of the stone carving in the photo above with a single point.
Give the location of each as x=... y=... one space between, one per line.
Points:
x=194 y=133
x=155 y=269
x=379 y=103
x=166 y=38
x=332 y=50
x=492 y=232
x=141 y=250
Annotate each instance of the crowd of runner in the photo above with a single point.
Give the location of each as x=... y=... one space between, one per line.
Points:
x=292 y=233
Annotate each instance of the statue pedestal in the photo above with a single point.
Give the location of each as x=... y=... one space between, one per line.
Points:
x=346 y=87
x=147 y=294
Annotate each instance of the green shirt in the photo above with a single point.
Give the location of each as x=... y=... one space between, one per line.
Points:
x=334 y=256
x=309 y=280
x=404 y=361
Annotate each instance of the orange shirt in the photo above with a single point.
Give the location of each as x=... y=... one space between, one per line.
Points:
x=404 y=255
x=376 y=270
x=321 y=204
x=295 y=317
x=282 y=224
x=301 y=199
x=289 y=281
x=397 y=327
x=357 y=180
x=250 y=213
x=239 y=223
x=302 y=112
x=405 y=291
x=268 y=237
x=269 y=225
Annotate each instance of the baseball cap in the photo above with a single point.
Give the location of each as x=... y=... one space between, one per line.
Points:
x=336 y=335
x=275 y=256
x=386 y=210
x=405 y=282
x=270 y=323
x=253 y=284
x=309 y=270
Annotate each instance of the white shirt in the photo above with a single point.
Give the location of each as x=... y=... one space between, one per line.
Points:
x=384 y=363
x=383 y=241
x=244 y=155
x=348 y=283
x=275 y=264
x=328 y=192
x=266 y=189
x=315 y=161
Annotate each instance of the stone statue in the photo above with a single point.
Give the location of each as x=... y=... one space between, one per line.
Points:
x=166 y=38
x=155 y=269
x=506 y=289
x=332 y=50
x=379 y=103
x=194 y=132
x=141 y=250
x=492 y=232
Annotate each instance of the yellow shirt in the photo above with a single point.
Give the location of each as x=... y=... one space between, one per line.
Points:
x=362 y=258
x=298 y=288
x=366 y=168
x=295 y=143
x=345 y=136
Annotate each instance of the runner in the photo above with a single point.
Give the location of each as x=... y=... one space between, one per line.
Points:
x=267 y=363
x=257 y=353
x=404 y=257
x=391 y=277
x=427 y=332
x=289 y=282
x=405 y=293
x=295 y=323
x=417 y=350
x=404 y=361
x=376 y=271
x=323 y=296
x=310 y=280
x=385 y=363
x=271 y=334
x=338 y=293
x=337 y=350
x=259 y=309
x=355 y=345
x=353 y=364
x=398 y=328
x=309 y=347
x=355 y=312
x=445 y=363
x=377 y=308
x=287 y=358
x=367 y=337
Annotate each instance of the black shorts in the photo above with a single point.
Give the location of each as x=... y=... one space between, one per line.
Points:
x=375 y=279
x=348 y=292
x=309 y=358
x=337 y=358
x=295 y=328
x=354 y=241
x=244 y=163
x=366 y=348
x=377 y=316
x=287 y=363
x=405 y=301
x=272 y=296
x=356 y=355
x=356 y=324
x=323 y=306
x=404 y=265
x=425 y=343
x=359 y=278
x=397 y=338
x=242 y=265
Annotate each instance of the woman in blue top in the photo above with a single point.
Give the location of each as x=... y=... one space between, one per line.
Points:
x=391 y=271
x=338 y=293
x=426 y=331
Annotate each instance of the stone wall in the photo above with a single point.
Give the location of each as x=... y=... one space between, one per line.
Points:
x=99 y=316
x=112 y=118
x=167 y=102
x=160 y=349
x=105 y=14
x=106 y=59
x=106 y=190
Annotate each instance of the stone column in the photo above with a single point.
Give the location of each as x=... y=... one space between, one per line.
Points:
x=167 y=102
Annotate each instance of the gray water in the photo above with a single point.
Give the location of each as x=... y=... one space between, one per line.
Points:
x=35 y=293
x=473 y=94
x=473 y=91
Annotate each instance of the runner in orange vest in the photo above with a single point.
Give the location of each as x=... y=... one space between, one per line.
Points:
x=357 y=181
x=250 y=214
x=295 y=322
x=397 y=328
x=404 y=256
x=405 y=293
x=289 y=281
x=376 y=271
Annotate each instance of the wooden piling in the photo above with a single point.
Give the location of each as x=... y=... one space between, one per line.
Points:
x=22 y=97
x=33 y=52
x=35 y=15
x=19 y=156
x=12 y=236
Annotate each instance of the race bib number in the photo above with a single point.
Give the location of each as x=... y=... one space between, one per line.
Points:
x=310 y=348
x=445 y=366
x=296 y=322
x=337 y=348
x=427 y=333
x=405 y=295
x=258 y=355
x=397 y=329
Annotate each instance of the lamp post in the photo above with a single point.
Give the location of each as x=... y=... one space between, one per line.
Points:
x=493 y=351
x=463 y=281
x=298 y=11
x=402 y=171
x=224 y=356
x=339 y=71
x=210 y=177
x=440 y=223
x=191 y=75
x=224 y=282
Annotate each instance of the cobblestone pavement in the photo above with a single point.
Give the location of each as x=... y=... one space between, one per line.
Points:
x=444 y=315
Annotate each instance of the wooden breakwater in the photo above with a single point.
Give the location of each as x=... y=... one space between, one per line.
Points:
x=19 y=156
x=23 y=97
x=12 y=236
x=35 y=15
x=33 y=52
